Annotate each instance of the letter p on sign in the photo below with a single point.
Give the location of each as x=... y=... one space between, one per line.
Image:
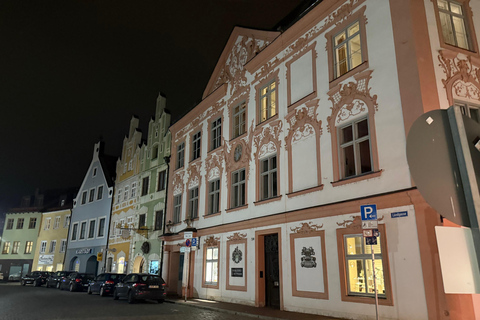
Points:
x=369 y=212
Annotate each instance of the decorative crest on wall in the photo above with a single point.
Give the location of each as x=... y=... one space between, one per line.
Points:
x=268 y=139
x=306 y=228
x=211 y=241
x=213 y=164
x=237 y=236
x=194 y=176
x=303 y=122
x=178 y=182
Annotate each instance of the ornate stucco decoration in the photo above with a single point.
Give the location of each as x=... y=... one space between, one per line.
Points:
x=303 y=123
x=202 y=116
x=211 y=241
x=213 y=165
x=267 y=141
x=229 y=152
x=306 y=228
x=194 y=177
x=462 y=75
x=233 y=71
x=355 y=223
x=237 y=236
x=351 y=99
x=178 y=182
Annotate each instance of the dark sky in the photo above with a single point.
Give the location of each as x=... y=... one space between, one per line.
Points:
x=72 y=71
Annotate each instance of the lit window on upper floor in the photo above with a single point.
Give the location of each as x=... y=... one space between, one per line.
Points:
x=268 y=101
x=454 y=24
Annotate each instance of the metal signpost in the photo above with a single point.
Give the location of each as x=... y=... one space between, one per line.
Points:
x=188 y=243
x=370 y=232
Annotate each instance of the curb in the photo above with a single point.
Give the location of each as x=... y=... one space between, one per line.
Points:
x=239 y=313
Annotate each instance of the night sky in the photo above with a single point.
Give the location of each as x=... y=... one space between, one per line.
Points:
x=74 y=71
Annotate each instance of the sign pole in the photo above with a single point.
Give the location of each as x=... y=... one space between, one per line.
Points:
x=374 y=282
x=187 y=262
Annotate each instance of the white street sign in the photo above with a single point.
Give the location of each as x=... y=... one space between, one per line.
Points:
x=187 y=249
x=188 y=235
x=370 y=224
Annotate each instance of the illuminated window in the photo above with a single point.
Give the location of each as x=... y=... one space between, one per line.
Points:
x=347 y=49
x=16 y=246
x=6 y=247
x=354 y=143
x=211 y=266
x=268 y=103
x=453 y=21
x=28 y=247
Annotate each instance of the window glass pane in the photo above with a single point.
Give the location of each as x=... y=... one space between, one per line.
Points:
x=362 y=128
x=209 y=253
x=265 y=186
x=365 y=161
x=353 y=29
x=447 y=28
x=356 y=276
x=354 y=245
x=242 y=175
x=378 y=275
x=442 y=4
x=215 y=253
x=460 y=32
x=340 y=38
x=455 y=8
x=349 y=161
x=215 y=271
x=355 y=52
x=272 y=104
x=341 y=55
x=274 y=184
x=347 y=134
x=208 y=272
x=273 y=162
x=475 y=114
x=376 y=248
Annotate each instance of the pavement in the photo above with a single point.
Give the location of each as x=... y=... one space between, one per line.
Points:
x=245 y=310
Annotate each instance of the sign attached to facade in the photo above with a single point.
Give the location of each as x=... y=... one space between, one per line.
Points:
x=188 y=235
x=188 y=243
x=84 y=251
x=237 y=272
x=45 y=259
x=399 y=214
x=369 y=212
x=182 y=249
x=194 y=242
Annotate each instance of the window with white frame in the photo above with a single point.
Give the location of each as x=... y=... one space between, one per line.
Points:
x=347 y=49
x=66 y=222
x=193 y=203
x=91 y=229
x=43 y=246
x=48 y=222
x=119 y=195
x=83 y=230
x=196 y=145
x=16 y=246
x=238 y=188
x=268 y=178
x=211 y=266
x=125 y=193
x=101 y=227
x=355 y=154
x=453 y=22
x=177 y=208
x=214 y=196
x=32 y=224
x=20 y=223
x=161 y=180
x=63 y=245
x=28 y=247
x=180 y=155
x=84 y=197
x=92 y=195
x=134 y=189
x=74 y=231
x=9 y=224
x=145 y=182
x=358 y=260
x=216 y=134
x=53 y=244
x=239 y=120
x=100 y=192
x=6 y=247
x=56 y=223
x=471 y=111
x=268 y=103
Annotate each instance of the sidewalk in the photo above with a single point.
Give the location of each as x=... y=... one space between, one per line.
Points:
x=250 y=311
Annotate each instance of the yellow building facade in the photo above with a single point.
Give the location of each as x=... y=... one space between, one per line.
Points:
x=52 y=240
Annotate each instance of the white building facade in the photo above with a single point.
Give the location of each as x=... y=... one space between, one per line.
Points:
x=297 y=130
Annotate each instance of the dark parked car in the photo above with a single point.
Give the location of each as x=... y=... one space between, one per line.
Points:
x=55 y=279
x=76 y=281
x=140 y=286
x=37 y=278
x=104 y=283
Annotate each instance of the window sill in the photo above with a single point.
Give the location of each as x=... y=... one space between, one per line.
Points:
x=383 y=301
x=213 y=150
x=212 y=214
x=211 y=286
x=261 y=124
x=245 y=206
x=238 y=137
x=308 y=97
x=259 y=203
x=195 y=160
x=456 y=50
x=365 y=176
x=334 y=82
x=305 y=191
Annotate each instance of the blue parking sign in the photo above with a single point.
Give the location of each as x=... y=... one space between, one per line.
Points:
x=368 y=212
x=194 y=242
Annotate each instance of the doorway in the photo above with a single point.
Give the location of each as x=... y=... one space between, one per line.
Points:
x=92 y=265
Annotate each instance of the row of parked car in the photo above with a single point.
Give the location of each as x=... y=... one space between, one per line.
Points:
x=133 y=286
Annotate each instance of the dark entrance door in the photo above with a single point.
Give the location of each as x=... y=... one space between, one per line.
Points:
x=272 y=278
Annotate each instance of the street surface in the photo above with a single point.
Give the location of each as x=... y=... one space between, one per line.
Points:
x=29 y=303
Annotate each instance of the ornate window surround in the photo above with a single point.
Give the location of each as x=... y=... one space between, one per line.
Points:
x=273 y=76
x=211 y=242
x=362 y=19
x=213 y=161
x=214 y=117
x=175 y=154
x=469 y=25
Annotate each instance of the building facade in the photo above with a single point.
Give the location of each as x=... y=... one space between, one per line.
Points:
x=149 y=221
x=90 y=219
x=125 y=201
x=299 y=128
x=19 y=241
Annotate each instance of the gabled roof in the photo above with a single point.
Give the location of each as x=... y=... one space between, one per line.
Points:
x=242 y=46
x=109 y=164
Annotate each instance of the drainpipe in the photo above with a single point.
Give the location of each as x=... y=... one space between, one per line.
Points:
x=68 y=235
x=167 y=161
x=108 y=230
